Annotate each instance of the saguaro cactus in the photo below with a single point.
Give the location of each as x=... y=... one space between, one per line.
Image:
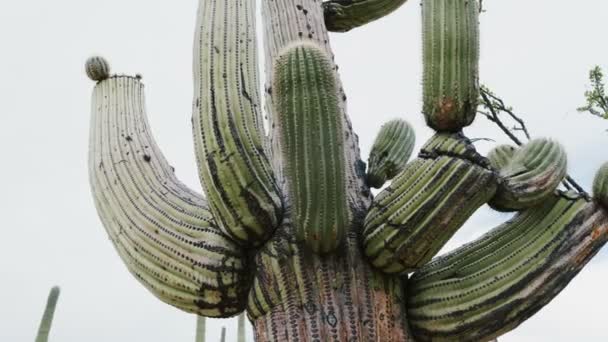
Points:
x=288 y=230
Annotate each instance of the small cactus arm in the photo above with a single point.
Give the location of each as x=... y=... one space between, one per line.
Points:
x=228 y=130
x=307 y=115
x=200 y=328
x=450 y=35
x=534 y=172
x=600 y=185
x=163 y=231
x=426 y=204
x=47 y=318
x=345 y=15
x=390 y=152
x=97 y=68
x=490 y=286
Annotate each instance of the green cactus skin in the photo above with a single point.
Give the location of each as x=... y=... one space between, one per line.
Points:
x=501 y=155
x=97 y=68
x=391 y=151
x=532 y=174
x=308 y=117
x=450 y=35
x=200 y=329
x=227 y=124
x=490 y=286
x=343 y=16
x=163 y=231
x=600 y=186
x=47 y=318
x=425 y=205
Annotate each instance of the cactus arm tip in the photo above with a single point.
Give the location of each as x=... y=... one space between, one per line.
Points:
x=47 y=318
x=343 y=16
x=97 y=68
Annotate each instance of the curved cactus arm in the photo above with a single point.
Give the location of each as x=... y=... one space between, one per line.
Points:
x=490 y=286
x=201 y=322
x=426 y=204
x=47 y=318
x=308 y=117
x=390 y=152
x=345 y=15
x=227 y=125
x=163 y=231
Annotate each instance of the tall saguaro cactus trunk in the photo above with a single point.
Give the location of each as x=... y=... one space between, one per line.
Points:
x=288 y=230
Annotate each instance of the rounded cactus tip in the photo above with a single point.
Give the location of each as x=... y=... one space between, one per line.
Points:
x=97 y=68
x=600 y=186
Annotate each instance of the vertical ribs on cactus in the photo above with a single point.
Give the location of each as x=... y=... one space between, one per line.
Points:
x=426 y=204
x=228 y=128
x=288 y=231
x=307 y=115
x=342 y=16
x=490 y=286
x=390 y=152
x=531 y=175
x=450 y=36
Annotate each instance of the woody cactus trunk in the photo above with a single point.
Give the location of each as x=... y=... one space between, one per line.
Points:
x=288 y=229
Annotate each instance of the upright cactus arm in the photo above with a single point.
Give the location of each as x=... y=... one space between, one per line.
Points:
x=345 y=15
x=47 y=318
x=163 y=231
x=490 y=286
x=227 y=125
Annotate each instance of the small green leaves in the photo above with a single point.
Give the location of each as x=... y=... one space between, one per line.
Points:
x=450 y=34
x=501 y=155
x=390 y=152
x=342 y=16
x=532 y=174
x=97 y=68
x=309 y=121
x=600 y=186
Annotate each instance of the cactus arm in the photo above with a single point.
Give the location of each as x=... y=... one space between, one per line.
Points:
x=426 y=204
x=227 y=124
x=490 y=286
x=163 y=231
x=345 y=15
x=200 y=328
x=47 y=318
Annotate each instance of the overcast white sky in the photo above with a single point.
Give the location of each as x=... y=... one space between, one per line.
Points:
x=536 y=54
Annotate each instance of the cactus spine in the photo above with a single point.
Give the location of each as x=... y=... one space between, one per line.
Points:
x=308 y=118
x=532 y=174
x=227 y=124
x=450 y=36
x=390 y=152
x=343 y=16
x=47 y=318
x=427 y=202
x=490 y=286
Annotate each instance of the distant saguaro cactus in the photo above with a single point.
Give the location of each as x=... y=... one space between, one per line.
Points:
x=288 y=229
x=47 y=319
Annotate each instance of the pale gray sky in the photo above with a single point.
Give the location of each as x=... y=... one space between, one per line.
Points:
x=536 y=54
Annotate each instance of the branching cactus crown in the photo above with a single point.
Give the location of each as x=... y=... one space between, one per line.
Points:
x=288 y=229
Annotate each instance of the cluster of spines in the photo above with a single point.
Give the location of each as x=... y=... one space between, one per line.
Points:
x=163 y=231
x=532 y=173
x=450 y=60
x=47 y=318
x=425 y=205
x=391 y=151
x=342 y=16
x=308 y=116
x=490 y=286
x=227 y=125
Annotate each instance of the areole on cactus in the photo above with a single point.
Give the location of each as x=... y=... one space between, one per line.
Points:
x=288 y=230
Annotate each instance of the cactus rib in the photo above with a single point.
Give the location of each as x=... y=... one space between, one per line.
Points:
x=307 y=115
x=390 y=152
x=450 y=35
x=425 y=204
x=47 y=318
x=227 y=125
x=163 y=231
x=490 y=286
x=343 y=16
x=531 y=175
